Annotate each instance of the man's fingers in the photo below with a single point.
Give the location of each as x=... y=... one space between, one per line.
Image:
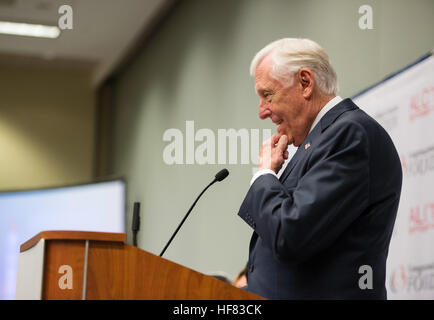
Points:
x=271 y=141
x=274 y=139
x=283 y=143
x=273 y=153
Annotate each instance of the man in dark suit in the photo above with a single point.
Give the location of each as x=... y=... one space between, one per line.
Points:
x=322 y=229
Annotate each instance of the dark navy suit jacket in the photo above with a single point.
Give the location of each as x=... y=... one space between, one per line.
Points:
x=331 y=212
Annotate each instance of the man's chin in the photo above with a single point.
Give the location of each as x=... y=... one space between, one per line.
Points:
x=291 y=141
x=282 y=132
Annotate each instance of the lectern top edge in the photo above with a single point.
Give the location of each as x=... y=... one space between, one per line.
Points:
x=73 y=235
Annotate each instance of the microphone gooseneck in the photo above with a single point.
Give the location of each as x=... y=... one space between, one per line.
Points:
x=221 y=175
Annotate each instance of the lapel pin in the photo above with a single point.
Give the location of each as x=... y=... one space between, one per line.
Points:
x=307 y=146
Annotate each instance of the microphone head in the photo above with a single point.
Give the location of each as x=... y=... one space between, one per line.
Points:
x=135 y=226
x=222 y=174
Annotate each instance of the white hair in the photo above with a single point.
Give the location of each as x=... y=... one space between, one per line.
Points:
x=291 y=54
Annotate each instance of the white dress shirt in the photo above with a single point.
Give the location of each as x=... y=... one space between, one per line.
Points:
x=318 y=117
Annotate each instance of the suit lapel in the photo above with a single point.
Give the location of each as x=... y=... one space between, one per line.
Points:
x=311 y=140
x=302 y=151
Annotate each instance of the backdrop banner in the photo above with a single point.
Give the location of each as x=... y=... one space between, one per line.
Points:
x=404 y=105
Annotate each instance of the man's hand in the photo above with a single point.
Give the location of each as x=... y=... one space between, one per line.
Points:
x=273 y=153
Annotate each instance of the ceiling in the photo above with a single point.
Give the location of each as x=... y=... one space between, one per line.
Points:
x=104 y=31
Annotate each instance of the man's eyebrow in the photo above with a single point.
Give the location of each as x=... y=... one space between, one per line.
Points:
x=263 y=91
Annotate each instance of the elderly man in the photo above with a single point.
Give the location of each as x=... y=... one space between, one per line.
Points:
x=322 y=229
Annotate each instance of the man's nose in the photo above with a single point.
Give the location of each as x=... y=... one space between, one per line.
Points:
x=264 y=112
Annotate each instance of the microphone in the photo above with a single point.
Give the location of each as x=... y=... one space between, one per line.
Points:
x=136 y=222
x=221 y=175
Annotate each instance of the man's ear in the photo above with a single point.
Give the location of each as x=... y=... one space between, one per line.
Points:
x=305 y=77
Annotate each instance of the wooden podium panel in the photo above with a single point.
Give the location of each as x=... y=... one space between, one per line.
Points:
x=56 y=256
x=93 y=265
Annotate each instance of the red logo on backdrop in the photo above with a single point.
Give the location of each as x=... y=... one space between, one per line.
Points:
x=398 y=281
x=422 y=103
x=421 y=218
x=403 y=163
x=412 y=279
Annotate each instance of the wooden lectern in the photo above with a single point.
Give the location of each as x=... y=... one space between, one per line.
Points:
x=96 y=265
